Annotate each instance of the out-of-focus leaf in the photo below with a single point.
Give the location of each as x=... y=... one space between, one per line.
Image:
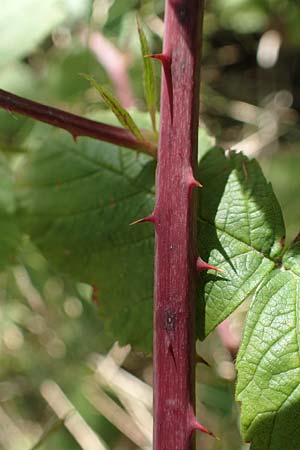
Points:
x=206 y=143
x=24 y=23
x=149 y=78
x=9 y=233
x=122 y=115
x=76 y=201
x=283 y=171
x=52 y=426
x=116 y=13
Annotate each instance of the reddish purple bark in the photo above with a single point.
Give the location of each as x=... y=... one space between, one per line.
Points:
x=174 y=217
x=76 y=125
x=175 y=225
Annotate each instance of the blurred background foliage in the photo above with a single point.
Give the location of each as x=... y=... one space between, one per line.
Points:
x=57 y=390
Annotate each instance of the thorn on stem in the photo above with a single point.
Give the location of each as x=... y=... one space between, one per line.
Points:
x=149 y=218
x=166 y=63
x=200 y=360
x=191 y=182
x=74 y=136
x=95 y=295
x=194 y=424
x=195 y=183
x=202 y=265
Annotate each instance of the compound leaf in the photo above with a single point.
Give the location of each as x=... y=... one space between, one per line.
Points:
x=269 y=361
x=240 y=230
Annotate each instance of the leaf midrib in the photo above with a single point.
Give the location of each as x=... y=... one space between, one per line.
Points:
x=215 y=226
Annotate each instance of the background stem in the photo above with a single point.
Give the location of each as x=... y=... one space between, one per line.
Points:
x=76 y=125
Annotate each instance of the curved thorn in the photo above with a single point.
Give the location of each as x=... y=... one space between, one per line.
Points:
x=200 y=360
x=75 y=137
x=191 y=180
x=202 y=265
x=194 y=424
x=195 y=183
x=160 y=57
x=150 y=219
x=166 y=63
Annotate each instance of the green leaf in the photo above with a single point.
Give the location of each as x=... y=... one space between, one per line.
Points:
x=206 y=143
x=240 y=231
x=269 y=362
x=76 y=201
x=51 y=427
x=9 y=233
x=122 y=115
x=116 y=14
x=283 y=169
x=24 y=23
x=149 y=78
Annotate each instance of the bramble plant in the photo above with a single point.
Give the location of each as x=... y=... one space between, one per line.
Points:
x=218 y=230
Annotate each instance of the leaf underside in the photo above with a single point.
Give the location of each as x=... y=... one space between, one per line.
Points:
x=76 y=201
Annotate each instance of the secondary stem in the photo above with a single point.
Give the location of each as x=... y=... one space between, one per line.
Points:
x=76 y=125
x=175 y=225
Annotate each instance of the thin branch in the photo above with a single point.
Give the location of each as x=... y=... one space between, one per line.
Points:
x=76 y=125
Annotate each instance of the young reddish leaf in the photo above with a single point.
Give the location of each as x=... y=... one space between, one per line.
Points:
x=149 y=78
x=122 y=115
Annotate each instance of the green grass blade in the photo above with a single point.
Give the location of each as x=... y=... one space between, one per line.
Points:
x=122 y=115
x=149 y=78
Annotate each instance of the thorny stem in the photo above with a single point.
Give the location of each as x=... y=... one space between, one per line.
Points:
x=76 y=125
x=175 y=225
